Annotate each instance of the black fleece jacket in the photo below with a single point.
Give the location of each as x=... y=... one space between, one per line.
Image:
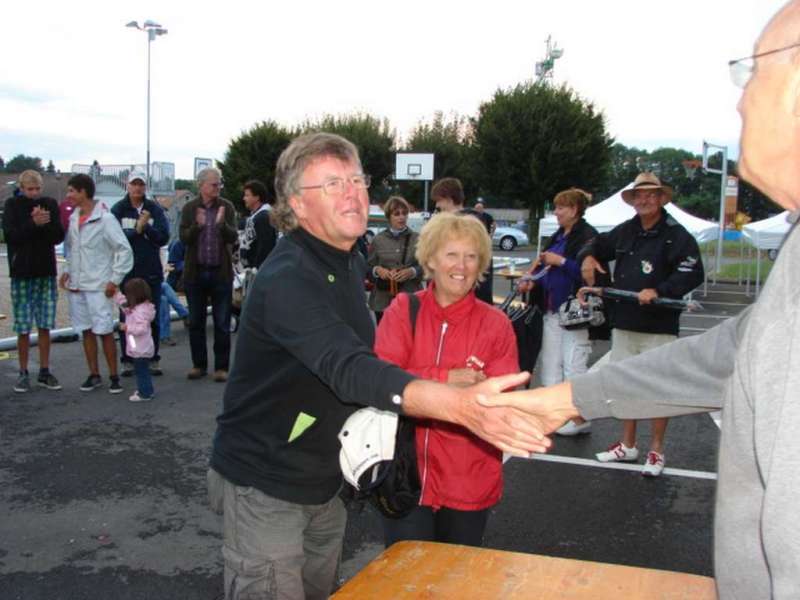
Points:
x=665 y=258
x=304 y=363
x=31 y=247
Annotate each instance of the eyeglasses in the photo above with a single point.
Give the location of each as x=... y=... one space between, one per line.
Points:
x=646 y=194
x=336 y=185
x=742 y=68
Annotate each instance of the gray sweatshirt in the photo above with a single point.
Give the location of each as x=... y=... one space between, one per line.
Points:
x=750 y=367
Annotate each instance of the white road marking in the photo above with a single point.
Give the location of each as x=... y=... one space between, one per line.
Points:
x=587 y=462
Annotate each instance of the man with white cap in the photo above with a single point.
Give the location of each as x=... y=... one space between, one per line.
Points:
x=145 y=225
x=657 y=257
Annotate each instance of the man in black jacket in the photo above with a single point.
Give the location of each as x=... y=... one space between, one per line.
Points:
x=145 y=225
x=656 y=257
x=259 y=235
x=304 y=364
x=32 y=229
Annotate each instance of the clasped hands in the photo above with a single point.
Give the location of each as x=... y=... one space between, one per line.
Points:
x=399 y=275
x=517 y=422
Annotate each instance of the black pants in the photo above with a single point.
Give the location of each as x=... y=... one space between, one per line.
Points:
x=447 y=525
x=155 y=327
x=485 y=290
x=208 y=285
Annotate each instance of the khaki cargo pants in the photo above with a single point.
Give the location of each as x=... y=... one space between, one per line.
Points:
x=276 y=550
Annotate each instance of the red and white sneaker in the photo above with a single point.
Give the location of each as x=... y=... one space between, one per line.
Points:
x=653 y=465
x=618 y=452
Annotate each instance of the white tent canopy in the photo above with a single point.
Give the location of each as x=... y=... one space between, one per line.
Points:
x=768 y=233
x=614 y=210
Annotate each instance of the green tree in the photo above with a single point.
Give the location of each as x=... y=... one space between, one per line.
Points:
x=2 y=164
x=375 y=140
x=534 y=140
x=253 y=155
x=51 y=168
x=186 y=184
x=21 y=163
x=449 y=139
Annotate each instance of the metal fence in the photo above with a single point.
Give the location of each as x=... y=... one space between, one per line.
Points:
x=111 y=180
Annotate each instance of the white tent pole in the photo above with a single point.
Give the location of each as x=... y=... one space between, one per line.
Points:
x=749 y=269
x=741 y=258
x=758 y=272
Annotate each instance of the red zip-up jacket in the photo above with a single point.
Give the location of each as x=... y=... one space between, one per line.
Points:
x=457 y=469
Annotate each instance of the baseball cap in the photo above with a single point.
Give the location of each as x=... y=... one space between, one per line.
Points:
x=134 y=175
x=368 y=441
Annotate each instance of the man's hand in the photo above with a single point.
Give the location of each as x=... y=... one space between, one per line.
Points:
x=465 y=377
x=552 y=406
x=220 y=215
x=63 y=280
x=40 y=216
x=401 y=275
x=588 y=268
x=141 y=222
x=122 y=327
x=111 y=289
x=525 y=286
x=200 y=216
x=507 y=428
x=647 y=295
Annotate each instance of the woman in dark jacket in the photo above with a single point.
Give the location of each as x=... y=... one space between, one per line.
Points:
x=391 y=260
x=564 y=353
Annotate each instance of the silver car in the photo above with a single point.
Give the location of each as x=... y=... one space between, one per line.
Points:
x=509 y=238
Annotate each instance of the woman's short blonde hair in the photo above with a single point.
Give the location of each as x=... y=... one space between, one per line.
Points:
x=30 y=177
x=444 y=227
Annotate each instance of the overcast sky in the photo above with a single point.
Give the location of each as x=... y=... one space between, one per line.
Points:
x=73 y=78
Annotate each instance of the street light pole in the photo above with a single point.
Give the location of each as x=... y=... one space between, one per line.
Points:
x=152 y=29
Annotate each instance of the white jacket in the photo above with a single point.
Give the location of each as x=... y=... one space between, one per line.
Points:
x=97 y=252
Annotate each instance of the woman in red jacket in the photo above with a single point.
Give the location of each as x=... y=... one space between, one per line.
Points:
x=461 y=341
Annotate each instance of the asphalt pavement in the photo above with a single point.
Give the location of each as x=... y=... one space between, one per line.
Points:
x=101 y=498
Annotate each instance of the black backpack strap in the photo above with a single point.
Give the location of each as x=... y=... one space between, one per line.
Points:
x=413 y=310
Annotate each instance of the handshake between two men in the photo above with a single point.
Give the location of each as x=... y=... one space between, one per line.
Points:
x=516 y=422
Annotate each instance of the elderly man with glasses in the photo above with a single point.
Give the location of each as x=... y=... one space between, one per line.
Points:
x=304 y=364
x=747 y=365
x=208 y=232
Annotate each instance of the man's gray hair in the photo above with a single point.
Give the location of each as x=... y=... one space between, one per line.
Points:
x=293 y=161
x=208 y=173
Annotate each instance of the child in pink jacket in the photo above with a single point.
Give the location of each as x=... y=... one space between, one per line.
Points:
x=139 y=313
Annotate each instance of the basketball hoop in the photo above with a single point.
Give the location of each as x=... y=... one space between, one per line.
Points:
x=691 y=166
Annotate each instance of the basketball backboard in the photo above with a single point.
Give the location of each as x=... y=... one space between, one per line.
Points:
x=414 y=167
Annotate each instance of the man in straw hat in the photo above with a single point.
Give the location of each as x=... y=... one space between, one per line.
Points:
x=655 y=256
x=747 y=365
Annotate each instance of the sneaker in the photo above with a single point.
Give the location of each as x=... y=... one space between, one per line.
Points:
x=127 y=370
x=135 y=397
x=23 y=383
x=48 y=380
x=114 y=387
x=653 y=465
x=220 y=375
x=155 y=368
x=572 y=428
x=92 y=382
x=168 y=341
x=618 y=452
x=196 y=373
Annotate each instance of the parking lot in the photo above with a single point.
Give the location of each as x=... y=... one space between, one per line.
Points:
x=103 y=498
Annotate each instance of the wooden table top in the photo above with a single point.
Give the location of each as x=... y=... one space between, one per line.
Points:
x=508 y=274
x=443 y=571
